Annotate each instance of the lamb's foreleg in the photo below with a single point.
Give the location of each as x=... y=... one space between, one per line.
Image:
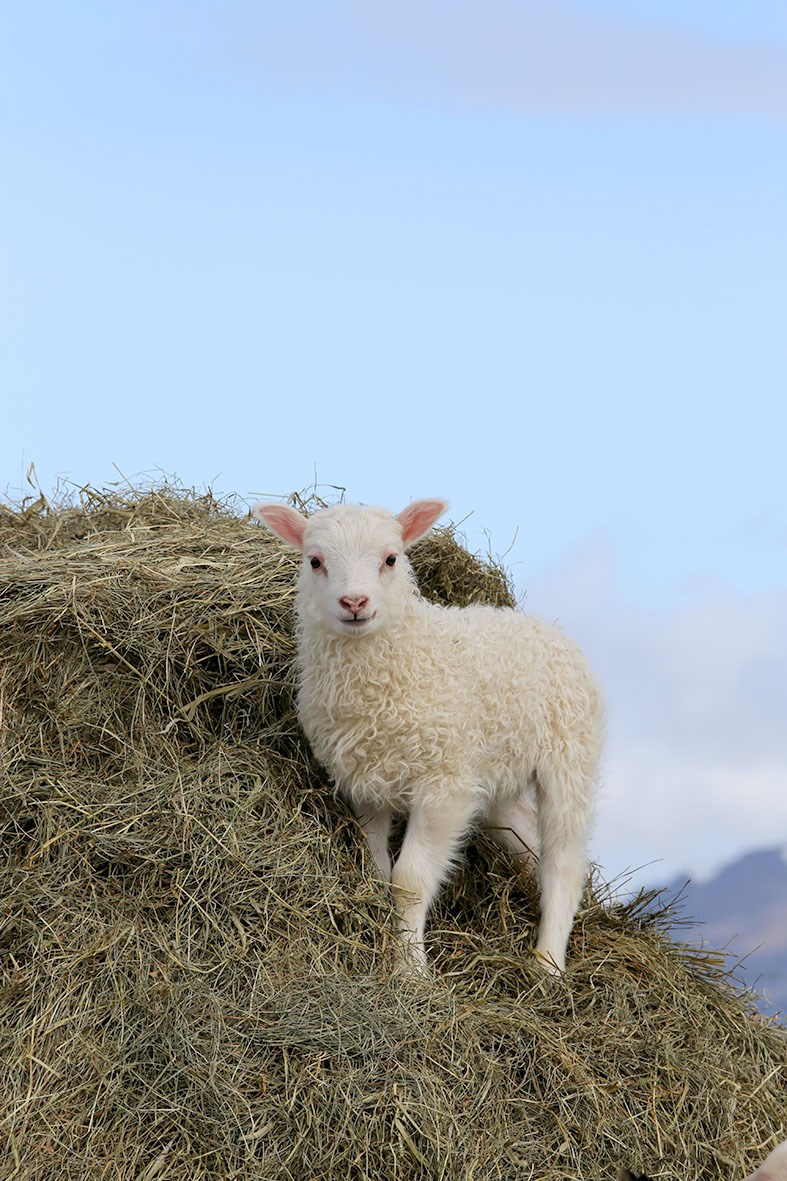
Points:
x=434 y=833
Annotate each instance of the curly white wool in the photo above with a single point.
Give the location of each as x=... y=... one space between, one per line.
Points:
x=454 y=715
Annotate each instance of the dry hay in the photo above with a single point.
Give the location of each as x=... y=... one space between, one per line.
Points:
x=197 y=958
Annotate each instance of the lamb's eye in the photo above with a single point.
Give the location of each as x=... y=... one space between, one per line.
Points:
x=315 y=563
x=390 y=560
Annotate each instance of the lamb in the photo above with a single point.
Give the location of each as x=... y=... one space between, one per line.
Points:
x=456 y=716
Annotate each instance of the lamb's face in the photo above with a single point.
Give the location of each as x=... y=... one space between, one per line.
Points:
x=355 y=577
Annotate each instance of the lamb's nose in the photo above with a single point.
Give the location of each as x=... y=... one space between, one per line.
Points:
x=353 y=605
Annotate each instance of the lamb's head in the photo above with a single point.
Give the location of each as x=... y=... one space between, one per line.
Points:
x=355 y=577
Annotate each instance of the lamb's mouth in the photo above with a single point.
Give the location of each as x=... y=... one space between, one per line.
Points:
x=359 y=620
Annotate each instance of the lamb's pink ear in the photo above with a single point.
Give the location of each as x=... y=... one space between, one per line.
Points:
x=418 y=518
x=284 y=521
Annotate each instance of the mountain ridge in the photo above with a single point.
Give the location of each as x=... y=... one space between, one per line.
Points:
x=741 y=910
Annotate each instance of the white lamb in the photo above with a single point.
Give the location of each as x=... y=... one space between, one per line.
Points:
x=456 y=716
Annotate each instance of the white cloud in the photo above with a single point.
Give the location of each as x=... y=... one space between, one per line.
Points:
x=696 y=767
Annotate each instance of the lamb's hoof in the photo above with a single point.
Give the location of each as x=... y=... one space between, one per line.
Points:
x=547 y=963
x=412 y=961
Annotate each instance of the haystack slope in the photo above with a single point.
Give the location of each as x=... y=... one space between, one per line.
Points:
x=197 y=959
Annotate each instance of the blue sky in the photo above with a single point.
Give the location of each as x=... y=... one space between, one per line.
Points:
x=528 y=256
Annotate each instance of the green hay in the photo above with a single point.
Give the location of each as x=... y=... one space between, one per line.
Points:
x=198 y=961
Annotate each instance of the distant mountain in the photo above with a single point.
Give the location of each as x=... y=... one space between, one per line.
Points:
x=743 y=910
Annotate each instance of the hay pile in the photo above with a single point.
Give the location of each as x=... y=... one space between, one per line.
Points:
x=197 y=958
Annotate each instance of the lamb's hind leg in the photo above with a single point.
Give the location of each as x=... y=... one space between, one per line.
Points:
x=376 y=825
x=564 y=810
x=514 y=826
